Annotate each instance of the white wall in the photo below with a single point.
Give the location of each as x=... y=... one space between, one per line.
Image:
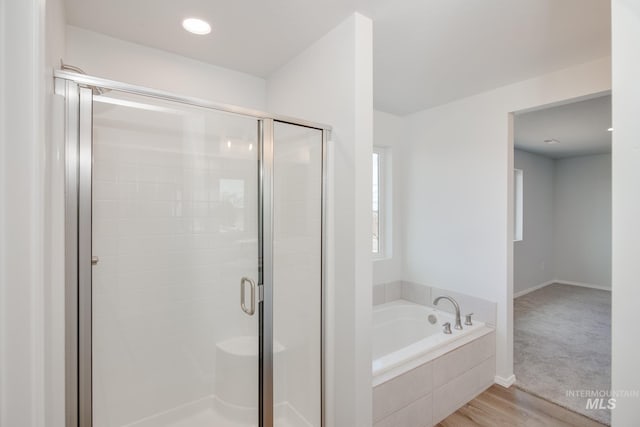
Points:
x=22 y=210
x=626 y=208
x=102 y=56
x=331 y=82
x=31 y=278
x=389 y=132
x=54 y=221
x=458 y=232
x=567 y=221
x=533 y=258
x=582 y=223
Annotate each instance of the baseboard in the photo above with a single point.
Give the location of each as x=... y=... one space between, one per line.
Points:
x=562 y=282
x=584 y=285
x=535 y=288
x=505 y=382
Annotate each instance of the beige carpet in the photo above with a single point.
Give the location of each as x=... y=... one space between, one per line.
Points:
x=562 y=343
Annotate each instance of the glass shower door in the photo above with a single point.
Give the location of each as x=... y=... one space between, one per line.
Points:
x=297 y=275
x=175 y=241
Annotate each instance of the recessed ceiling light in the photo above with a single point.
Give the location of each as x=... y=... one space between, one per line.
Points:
x=196 y=26
x=610 y=129
x=552 y=141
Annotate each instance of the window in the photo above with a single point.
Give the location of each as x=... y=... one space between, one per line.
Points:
x=378 y=203
x=518 y=204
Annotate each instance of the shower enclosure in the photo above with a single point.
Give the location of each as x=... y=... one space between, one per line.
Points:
x=194 y=247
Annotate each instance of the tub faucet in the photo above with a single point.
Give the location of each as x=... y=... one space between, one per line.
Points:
x=457 y=307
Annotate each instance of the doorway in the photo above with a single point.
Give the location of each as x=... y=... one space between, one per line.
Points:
x=562 y=254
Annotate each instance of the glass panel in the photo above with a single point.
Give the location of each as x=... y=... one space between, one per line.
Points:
x=175 y=227
x=297 y=293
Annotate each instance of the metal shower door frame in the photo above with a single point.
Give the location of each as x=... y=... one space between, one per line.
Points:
x=78 y=92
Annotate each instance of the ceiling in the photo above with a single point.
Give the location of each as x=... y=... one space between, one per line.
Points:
x=426 y=52
x=580 y=127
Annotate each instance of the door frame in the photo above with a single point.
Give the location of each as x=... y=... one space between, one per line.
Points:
x=78 y=90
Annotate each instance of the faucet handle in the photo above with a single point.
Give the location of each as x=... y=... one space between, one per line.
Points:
x=467 y=319
x=446 y=328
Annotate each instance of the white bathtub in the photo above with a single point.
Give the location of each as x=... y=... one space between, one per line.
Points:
x=403 y=338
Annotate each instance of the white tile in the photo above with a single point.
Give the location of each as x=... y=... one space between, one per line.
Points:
x=398 y=392
x=105 y=170
x=393 y=291
x=462 y=359
x=456 y=393
x=378 y=294
x=416 y=414
x=128 y=172
x=105 y=190
x=105 y=209
x=482 y=309
x=416 y=293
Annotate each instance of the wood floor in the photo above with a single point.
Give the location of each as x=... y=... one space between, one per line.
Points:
x=511 y=407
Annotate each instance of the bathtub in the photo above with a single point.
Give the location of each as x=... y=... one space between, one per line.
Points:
x=403 y=338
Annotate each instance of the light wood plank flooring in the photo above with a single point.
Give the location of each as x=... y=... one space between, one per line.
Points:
x=512 y=407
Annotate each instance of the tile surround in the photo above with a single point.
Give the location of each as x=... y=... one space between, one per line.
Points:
x=429 y=393
x=379 y=294
x=394 y=394
x=393 y=291
x=456 y=393
x=416 y=414
x=483 y=310
x=416 y=293
x=456 y=363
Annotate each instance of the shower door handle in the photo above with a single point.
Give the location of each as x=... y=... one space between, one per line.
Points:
x=252 y=286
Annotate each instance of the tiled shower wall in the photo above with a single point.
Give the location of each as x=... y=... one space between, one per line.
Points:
x=175 y=228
